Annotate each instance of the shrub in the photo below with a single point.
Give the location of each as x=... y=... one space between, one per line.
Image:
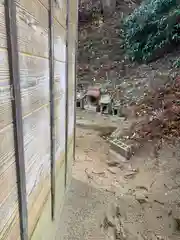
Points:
x=152 y=29
x=176 y=64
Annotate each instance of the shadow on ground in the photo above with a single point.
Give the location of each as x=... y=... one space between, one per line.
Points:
x=83 y=212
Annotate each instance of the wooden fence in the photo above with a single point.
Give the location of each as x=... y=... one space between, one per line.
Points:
x=38 y=41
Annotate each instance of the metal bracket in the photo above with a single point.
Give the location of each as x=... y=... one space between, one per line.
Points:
x=51 y=86
x=75 y=94
x=67 y=93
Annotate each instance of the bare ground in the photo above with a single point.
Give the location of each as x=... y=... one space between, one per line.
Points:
x=146 y=203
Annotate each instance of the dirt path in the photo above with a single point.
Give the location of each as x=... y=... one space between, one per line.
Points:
x=146 y=189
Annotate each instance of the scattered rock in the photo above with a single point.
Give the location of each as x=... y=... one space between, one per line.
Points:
x=111 y=234
x=107 y=223
x=160 y=237
x=169 y=212
x=141 y=198
x=110 y=191
x=112 y=170
x=113 y=225
x=142 y=187
x=98 y=173
x=88 y=174
x=112 y=164
x=177 y=220
x=157 y=201
x=152 y=183
x=112 y=210
x=130 y=174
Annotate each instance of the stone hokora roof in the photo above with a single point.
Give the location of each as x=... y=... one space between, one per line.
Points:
x=94 y=92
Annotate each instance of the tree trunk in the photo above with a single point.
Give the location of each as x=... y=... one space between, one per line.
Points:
x=108 y=7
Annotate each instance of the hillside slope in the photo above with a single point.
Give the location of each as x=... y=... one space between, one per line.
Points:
x=101 y=56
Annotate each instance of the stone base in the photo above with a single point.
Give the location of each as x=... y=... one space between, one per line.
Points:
x=121 y=148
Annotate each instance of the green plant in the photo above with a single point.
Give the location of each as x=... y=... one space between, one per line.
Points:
x=176 y=64
x=152 y=29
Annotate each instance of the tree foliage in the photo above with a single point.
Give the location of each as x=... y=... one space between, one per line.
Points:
x=152 y=29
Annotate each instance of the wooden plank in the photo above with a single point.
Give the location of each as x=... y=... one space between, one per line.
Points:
x=71 y=82
x=58 y=140
x=33 y=35
x=36 y=10
x=71 y=118
x=45 y=3
x=60 y=12
x=34 y=76
x=7 y=182
x=6 y=148
x=72 y=42
x=44 y=221
x=37 y=133
x=35 y=157
x=13 y=230
x=33 y=23
x=60 y=84
x=59 y=125
x=36 y=168
x=3 y=42
x=39 y=196
x=9 y=204
x=5 y=91
x=35 y=211
x=5 y=112
x=59 y=42
x=32 y=29
x=71 y=97
x=73 y=8
x=8 y=210
x=32 y=200
x=8 y=187
x=32 y=32
x=59 y=78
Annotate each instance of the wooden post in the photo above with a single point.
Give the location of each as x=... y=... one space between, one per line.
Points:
x=13 y=58
x=67 y=93
x=82 y=103
x=52 y=127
